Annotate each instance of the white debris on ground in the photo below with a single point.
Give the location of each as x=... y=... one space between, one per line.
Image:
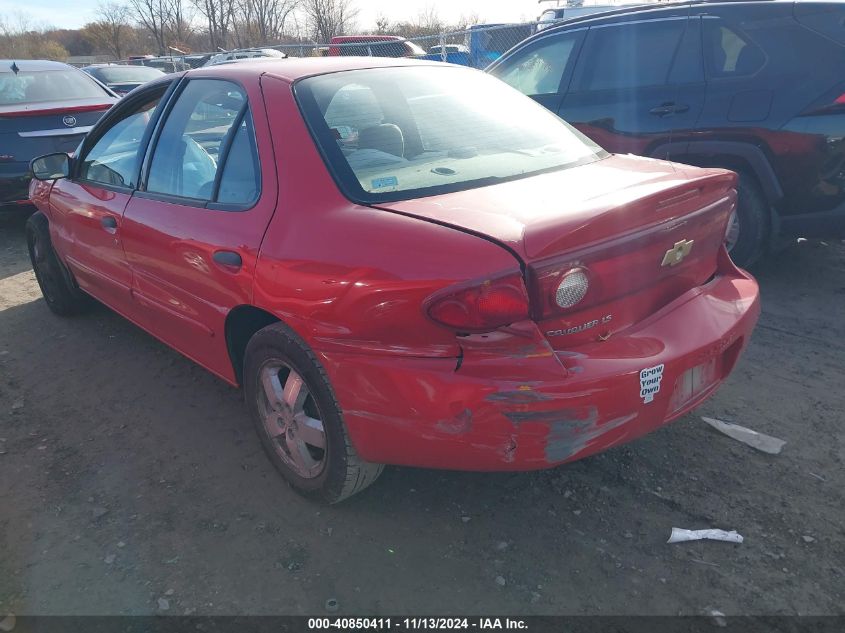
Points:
x=680 y=535
x=760 y=441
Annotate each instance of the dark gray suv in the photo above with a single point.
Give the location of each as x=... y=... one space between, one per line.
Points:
x=756 y=87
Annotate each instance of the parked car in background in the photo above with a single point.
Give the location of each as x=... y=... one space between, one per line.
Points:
x=373 y=46
x=450 y=53
x=44 y=107
x=197 y=60
x=401 y=262
x=575 y=10
x=168 y=64
x=122 y=78
x=756 y=87
x=448 y=49
x=245 y=53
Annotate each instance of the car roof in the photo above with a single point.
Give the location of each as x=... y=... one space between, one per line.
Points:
x=295 y=68
x=367 y=38
x=30 y=65
x=665 y=8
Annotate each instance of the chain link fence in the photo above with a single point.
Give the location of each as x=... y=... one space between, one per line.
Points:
x=476 y=46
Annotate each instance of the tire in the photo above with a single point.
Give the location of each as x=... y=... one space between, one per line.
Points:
x=752 y=215
x=278 y=368
x=60 y=291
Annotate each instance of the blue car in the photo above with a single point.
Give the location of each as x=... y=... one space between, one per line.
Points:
x=45 y=107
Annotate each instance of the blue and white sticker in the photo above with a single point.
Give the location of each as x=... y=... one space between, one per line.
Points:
x=386 y=181
x=650 y=378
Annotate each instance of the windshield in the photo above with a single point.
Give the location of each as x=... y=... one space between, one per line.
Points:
x=127 y=74
x=46 y=85
x=400 y=133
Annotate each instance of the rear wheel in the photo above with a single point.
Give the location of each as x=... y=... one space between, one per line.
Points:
x=298 y=419
x=749 y=225
x=60 y=291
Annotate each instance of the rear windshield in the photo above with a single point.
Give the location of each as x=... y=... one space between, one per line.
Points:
x=127 y=74
x=46 y=85
x=400 y=133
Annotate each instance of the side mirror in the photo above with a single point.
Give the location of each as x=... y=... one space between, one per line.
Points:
x=50 y=166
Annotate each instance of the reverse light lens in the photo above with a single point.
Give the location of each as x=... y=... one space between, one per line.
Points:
x=573 y=287
x=484 y=307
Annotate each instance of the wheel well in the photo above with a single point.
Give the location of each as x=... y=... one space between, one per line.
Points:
x=241 y=323
x=724 y=161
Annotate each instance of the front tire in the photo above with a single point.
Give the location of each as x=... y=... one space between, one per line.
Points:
x=298 y=418
x=60 y=291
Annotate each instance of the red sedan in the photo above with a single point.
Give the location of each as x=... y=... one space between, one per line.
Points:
x=400 y=262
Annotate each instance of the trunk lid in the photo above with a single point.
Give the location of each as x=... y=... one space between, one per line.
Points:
x=644 y=232
x=30 y=130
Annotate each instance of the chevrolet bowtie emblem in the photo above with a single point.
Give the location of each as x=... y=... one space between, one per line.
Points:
x=677 y=253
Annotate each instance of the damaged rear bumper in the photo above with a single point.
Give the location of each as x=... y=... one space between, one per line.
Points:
x=514 y=404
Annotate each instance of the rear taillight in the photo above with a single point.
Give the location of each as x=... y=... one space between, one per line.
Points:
x=100 y=107
x=481 y=306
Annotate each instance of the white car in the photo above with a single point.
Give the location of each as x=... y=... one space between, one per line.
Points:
x=245 y=53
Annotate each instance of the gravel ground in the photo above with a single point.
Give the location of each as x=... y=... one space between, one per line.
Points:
x=131 y=482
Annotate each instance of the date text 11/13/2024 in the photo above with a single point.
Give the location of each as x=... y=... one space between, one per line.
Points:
x=416 y=624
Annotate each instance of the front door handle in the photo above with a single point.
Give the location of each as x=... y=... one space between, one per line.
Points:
x=109 y=223
x=227 y=259
x=668 y=109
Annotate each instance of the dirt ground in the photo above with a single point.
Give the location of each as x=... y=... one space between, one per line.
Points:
x=131 y=482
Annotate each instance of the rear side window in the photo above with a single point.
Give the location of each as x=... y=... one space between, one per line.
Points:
x=239 y=183
x=208 y=115
x=47 y=85
x=729 y=54
x=629 y=55
x=538 y=69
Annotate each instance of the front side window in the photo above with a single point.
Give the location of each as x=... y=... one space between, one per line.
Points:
x=728 y=54
x=113 y=159
x=538 y=70
x=430 y=130
x=198 y=127
x=628 y=55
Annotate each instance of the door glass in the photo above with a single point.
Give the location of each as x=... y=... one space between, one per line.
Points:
x=629 y=56
x=113 y=160
x=728 y=53
x=184 y=161
x=538 y=70
x=239 y=183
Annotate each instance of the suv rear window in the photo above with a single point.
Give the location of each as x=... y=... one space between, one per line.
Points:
x=46 y=85
x=728 y=53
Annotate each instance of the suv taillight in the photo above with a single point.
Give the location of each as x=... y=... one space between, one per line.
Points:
x=481 y=306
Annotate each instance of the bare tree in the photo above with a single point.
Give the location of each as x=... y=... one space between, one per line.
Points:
x=328 y=18
x=219 y=15
x=109 y=32
x=153 y=15
x=178 y=22
x=19 y=38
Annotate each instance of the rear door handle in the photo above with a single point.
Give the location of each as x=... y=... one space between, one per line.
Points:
x=227 y=259
x=109 y=223
x=667 y=109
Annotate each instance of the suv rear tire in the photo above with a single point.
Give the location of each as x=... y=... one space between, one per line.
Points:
x=752 y=214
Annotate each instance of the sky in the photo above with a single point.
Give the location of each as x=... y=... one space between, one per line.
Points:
x=75 y=13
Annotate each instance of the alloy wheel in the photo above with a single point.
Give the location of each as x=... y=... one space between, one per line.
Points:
x=291 y=419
